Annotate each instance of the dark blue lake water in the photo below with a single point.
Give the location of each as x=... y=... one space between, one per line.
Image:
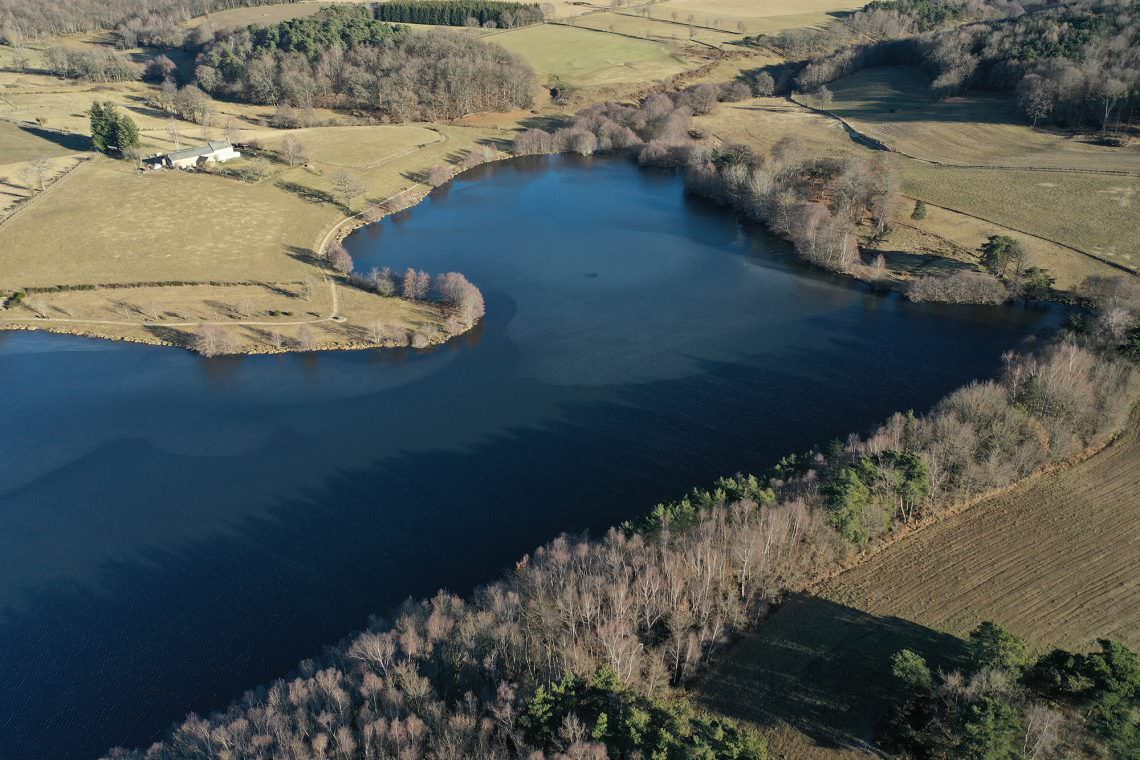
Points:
x=175 y=530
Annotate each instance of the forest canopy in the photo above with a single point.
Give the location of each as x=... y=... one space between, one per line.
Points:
x=491 y=13
x=1074 y=64
x=345 y=57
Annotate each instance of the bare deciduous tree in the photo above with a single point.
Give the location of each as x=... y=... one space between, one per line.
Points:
x=347 y=184
x=293 y=150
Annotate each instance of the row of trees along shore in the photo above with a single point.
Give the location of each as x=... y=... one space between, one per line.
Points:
x=344 y=56
x=575 y=652
x=822 y=205
x=1074 y=63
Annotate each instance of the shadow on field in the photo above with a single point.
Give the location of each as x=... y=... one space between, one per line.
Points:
x=66 y=140
x=821 y=667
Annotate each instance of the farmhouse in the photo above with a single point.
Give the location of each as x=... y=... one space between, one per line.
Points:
x=215 y=151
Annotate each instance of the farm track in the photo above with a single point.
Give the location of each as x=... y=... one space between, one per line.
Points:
x=875 y=144
x=872 y=142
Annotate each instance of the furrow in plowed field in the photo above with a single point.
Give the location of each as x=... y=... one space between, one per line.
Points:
x=1057 y=560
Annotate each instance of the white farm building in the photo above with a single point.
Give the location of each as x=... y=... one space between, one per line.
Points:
x=215 y=151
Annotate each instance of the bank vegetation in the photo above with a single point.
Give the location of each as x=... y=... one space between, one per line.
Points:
x=575 y=653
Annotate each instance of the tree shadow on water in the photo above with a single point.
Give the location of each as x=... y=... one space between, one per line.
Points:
x=822 y=668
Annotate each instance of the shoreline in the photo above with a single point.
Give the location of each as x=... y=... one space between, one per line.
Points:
x=339 y=231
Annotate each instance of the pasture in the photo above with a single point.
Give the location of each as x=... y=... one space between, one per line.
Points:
x=895 y=106
x=262 y=15
x=654 y=28
x=1056 y=559
x=358 y=147
x=169 y=226
x=749 y=17
x=587 y=59
x=1095 y=213
x=105 y=223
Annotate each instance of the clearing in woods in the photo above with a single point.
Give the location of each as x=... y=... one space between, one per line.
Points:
x=1056 y=559
x=756 y=18
x=587 y=58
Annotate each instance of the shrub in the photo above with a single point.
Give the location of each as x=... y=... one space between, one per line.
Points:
x=958 y=287
x=439 y=175
x=339 y=259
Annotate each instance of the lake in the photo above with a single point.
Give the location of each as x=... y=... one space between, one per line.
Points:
x=175 y=530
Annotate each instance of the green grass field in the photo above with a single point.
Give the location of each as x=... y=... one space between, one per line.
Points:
x=105 y=223
x=263 y=15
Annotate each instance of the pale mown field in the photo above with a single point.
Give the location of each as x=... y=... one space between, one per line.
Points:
x=923 y=247
x=263 y=15
x=246 y=248
x=1095 y=213
x=1057 y=560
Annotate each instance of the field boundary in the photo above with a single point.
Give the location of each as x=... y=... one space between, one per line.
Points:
x=876 y=144
x=83 y=160
x=1131 y=424
x=873 y=141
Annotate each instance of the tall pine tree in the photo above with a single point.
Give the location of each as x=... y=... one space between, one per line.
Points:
x=112 y=132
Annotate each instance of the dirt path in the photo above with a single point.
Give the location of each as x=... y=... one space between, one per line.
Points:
x=865 y=139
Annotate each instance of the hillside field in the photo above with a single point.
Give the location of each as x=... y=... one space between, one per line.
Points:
x=587 y=58
x=756 y=18
x=894 y=105
x=1056 y=559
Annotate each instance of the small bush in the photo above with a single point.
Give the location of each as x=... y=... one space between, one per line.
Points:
x=958 y=287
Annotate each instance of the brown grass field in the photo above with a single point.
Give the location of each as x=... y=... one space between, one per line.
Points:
x=1056 y=559
x=894 y=105
x=1095 y=213
x=202 y=228
x=758 y=18
x=654 y=28
x=587 y=59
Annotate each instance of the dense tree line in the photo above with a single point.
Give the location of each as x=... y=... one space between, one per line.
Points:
x=488 y=13
x=572 y=654
x=1006 y=704
x=1076 y=64
x=344 y=57
x=92 y=65
x=25 y=19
